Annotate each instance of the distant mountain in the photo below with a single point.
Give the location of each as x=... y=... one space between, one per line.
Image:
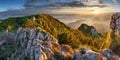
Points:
x=89 y=31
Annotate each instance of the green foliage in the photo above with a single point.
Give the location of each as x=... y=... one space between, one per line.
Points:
x=63 y=41
x=14 y=22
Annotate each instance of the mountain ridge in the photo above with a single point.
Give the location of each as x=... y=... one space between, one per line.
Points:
x=63 y=33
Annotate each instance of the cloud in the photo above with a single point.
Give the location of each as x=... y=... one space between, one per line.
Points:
x=46 y=6
x=73 y=4
x=75 y=24
x=97 y=22
x=24 y=12
x=62 y=3
x=115 y=1
x=32 y=3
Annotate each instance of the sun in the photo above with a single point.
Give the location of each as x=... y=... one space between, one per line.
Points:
x=96 y=11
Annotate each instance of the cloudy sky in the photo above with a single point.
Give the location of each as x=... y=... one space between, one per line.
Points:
x=23 y=4
x=14 y=8
x=70 y=12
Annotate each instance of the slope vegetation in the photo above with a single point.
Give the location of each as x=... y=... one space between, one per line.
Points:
x=65 y=34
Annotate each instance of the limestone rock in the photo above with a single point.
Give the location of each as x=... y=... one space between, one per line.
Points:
x=34 y=44
x=107 y=53
x=115 y=23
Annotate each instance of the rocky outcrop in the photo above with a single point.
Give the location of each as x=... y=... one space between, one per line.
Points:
x=89 y=30
x=34 y=44
x=115 y=23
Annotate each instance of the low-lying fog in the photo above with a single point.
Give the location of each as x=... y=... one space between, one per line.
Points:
x=100 y=22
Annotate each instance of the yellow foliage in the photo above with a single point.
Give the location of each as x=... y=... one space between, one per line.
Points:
x=9 y=27
x=30 y=24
